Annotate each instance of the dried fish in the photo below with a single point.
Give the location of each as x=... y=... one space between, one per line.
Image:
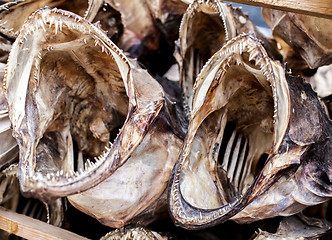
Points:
x=8 y=147
x=133 y=233
x=293 y=228
x=247 y=148
x=145 y=21
x=92 y=126
x=197 y=42
x=14 y=13
x=308 y=36
x=80 y=92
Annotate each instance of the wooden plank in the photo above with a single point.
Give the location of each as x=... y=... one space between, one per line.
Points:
x=30 y=228
x=318 y=8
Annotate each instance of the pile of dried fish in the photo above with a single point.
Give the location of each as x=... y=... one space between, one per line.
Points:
x=137 y=112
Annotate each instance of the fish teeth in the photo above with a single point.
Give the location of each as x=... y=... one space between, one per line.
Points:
x=60 y=24
x=44 y=19
x=259 y=62
x=107 y=148
x=89 y=163
x=41 y=23
x=51 y=21
x=56 y=25
x=241 y=48
x=253 y=54
x=72 y=173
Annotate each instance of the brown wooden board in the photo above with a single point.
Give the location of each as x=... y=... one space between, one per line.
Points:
x=318 y=8
x=30 y=228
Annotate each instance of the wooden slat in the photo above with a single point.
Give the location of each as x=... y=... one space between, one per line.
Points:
x=318 y=8
x=33 y=229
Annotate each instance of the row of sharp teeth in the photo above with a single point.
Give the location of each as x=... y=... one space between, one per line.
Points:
x=71 y=25
x=255 y=53
x=72 y=175
x=9 y=31
x=263 y=62
x=58 y=24
x=194 y=7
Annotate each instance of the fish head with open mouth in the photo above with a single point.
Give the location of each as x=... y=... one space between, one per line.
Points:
x=205 y=27
x=249 y=134
x=197 y=43
x=89 y=121
x=69 y=87
x=14 y=13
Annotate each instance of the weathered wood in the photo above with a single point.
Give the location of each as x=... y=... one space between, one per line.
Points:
x=33 y=229
x=318 y=8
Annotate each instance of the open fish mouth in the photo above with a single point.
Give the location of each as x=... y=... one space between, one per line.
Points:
x=15 y=12
x=240 y=113
x=76 y=113
x=197 y=43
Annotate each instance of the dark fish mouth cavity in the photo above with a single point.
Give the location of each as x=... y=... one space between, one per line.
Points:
x=194 y=36
x=215 y=35
x=233 y=142
x=89 y=105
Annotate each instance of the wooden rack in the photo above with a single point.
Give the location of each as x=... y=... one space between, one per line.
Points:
x=317 y=8
x=30 y=228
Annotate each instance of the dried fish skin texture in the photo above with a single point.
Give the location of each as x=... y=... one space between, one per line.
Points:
x=308 y=36
x=44 y=84
x=82 y=90
x=246 y=135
